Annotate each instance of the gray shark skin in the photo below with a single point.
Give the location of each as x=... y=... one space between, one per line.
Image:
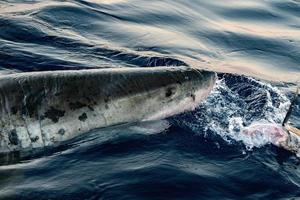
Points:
x=40 y=109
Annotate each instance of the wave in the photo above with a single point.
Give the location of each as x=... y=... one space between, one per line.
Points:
x=209 y=35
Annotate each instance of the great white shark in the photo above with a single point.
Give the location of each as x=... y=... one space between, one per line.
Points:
x=40 y=109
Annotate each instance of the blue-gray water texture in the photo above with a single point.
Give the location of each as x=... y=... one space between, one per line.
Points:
x=253 y=44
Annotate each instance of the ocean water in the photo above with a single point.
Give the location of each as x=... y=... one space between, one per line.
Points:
x=253 y=45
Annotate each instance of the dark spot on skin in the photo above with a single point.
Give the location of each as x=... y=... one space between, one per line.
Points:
x=23 y=110
x=54 y=114
x=178 y=82
x=32 y=102
x=106 y=99
x=193 y=97
x=61 y=131
x=13 y=137
x=82 y=117
x=106 y=106
x=52 y=139
x=34 y=139
x=76 y=105
x=79 y=129
x=169 y=92
x=91 y=108
x=14 y=110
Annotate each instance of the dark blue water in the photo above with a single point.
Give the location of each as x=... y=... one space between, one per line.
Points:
x=195 y=155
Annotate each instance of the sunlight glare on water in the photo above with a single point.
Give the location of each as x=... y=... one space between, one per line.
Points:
x=258 y=38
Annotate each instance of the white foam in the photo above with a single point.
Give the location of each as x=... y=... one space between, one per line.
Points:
x=227 y=117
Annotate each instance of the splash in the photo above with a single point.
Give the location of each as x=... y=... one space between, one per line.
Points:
x=235 y=104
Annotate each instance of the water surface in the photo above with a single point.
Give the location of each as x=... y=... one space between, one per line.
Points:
x=196 y=155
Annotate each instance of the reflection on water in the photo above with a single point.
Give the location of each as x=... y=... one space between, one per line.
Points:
x=259 y=38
